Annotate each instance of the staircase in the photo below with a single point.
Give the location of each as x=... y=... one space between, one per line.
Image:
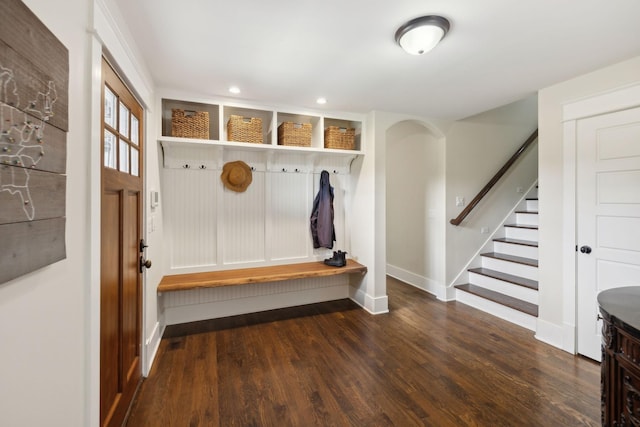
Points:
x=506 y=283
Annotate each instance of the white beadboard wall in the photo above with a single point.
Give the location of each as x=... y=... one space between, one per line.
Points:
x=209 y=227
x=209 y=303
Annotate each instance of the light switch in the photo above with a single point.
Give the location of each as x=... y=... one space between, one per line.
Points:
x=459 y=201
x=153 y=199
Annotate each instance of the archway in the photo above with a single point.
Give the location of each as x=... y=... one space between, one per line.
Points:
x=415 y=204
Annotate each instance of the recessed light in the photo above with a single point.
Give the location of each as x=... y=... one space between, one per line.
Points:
x=234 y=89
x=321 y=101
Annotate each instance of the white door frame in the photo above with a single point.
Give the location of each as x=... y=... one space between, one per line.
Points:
x=607 y=102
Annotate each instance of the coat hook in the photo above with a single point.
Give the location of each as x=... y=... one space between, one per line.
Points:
x=203 y=166
x=253 y=168
x=284 y=170
x=297 y=170
x=186 y=166
x=335 y=171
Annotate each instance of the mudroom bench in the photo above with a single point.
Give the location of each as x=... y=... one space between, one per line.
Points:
x=244 y=276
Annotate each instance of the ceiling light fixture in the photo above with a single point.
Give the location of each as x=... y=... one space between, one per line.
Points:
x=321 y=101
x=234 y=90
x=422 y=34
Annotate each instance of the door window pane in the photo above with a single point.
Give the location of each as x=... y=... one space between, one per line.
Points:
x=124 y=156
x=134 y=129
x=109 y=107
x=134 y=162
x=124 y=120
x=109 y=150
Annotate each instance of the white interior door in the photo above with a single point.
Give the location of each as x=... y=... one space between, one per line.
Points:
x=608 y=215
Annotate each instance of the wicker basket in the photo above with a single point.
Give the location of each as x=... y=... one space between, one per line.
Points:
x=294 y=134
x=340 y=138
x=190 y=124
x=244 y=129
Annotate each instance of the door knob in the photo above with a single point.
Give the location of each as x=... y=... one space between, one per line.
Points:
x=585 y=249
x=144 y=263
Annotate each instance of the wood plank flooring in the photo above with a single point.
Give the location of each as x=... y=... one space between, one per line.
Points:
x=425 y=363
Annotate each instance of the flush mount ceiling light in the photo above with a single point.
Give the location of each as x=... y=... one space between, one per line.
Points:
x=422 y=34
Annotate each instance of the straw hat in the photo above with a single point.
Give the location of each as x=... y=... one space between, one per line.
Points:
x=236 y=176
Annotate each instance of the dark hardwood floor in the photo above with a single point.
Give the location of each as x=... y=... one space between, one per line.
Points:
x=425 y=363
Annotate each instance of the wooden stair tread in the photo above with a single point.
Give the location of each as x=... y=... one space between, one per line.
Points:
x=514 y=303
x=512 y=258
x=516 y=280
x=532 y=198
x=528 y=226
x=527 y=212
x=517 y=241
x=243 y=276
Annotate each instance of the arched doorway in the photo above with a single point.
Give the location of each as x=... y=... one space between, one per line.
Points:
x=415 y=205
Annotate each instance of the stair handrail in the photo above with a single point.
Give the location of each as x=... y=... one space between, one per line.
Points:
x=457 y=220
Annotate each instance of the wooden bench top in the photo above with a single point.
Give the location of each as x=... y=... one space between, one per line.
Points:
x=243 y=276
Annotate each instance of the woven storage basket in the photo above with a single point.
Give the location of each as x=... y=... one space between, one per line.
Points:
x=190 y=124
x=244 y=129
x=340 y=138
x=294 y=134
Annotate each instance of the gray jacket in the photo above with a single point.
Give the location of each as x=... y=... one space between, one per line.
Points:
x=322 y=229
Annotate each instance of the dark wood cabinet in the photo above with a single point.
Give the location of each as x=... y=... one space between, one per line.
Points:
x=620 y=381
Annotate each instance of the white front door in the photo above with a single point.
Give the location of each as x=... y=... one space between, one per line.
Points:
x=608 y=215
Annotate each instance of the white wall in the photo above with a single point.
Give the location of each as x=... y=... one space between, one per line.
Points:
x=50 y=341
x=415 y=205
x=43 y=315
x=556 y=320
x=477 y=147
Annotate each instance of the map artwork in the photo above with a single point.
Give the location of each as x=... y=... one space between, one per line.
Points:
x=22 y=136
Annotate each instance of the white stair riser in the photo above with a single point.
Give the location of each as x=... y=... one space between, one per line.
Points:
x=521 y=270
x=505 y=288
x=501 y=311
x=517 y=250
x=532 y=205
x=522 y=233
x=527 y=218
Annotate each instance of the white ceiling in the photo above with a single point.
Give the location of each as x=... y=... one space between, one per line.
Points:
x=290 y=52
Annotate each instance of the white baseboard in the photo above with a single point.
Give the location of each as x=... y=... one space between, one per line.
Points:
x=377 y=305
x=569 y=338
x=151 y=348
x=420 y=282
x=559 y=336
x=549 y=333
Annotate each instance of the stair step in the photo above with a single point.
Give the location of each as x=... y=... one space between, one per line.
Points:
x=521 y=232
x=532 y=204
x=527 y=212
x=511 y=258
x=516 y=280
x=517 y=241
x=526 y=226
x=514 y=303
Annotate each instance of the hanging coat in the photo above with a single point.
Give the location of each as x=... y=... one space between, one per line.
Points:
x=322 y=229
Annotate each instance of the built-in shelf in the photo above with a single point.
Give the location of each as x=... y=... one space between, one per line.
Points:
x=219 y=115
x=211 y=153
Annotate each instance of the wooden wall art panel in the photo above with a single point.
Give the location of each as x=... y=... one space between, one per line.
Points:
x=34 y=86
